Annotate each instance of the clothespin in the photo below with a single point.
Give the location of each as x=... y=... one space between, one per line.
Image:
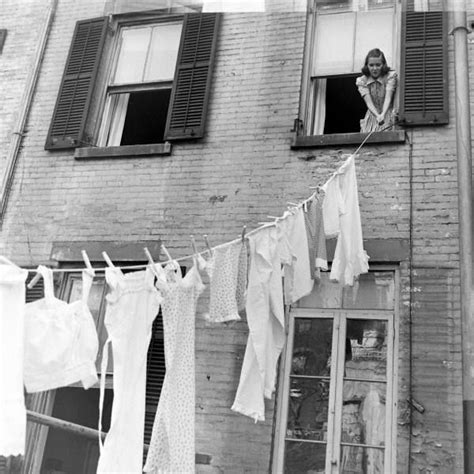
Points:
x=193 y=243
x=207 y=244
x=85 y=257
x=107 y=259
x=168 y=256
x=148 y=254
x=35 y=280
x=244 y=230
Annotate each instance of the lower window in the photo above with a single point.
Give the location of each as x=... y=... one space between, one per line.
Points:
x=336 y=396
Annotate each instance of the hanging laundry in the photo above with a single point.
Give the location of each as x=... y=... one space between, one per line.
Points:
x=222 y=268
x=172 y=445
x=316 y=236
x=350 y=258
x=61 y=340
x=265 y=317
x=333 y=207
x=132 y=305
x=297 y=274
x=242 y=275
x=12 y=400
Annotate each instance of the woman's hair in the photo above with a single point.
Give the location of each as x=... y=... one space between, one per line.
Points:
x=375 y=53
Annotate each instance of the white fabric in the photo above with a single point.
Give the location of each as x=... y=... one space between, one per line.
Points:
x=172 y=445
x=12 y=402
x=222 y=269
x=319 y=90
x=265 y=317
x=297 y=274
x=60 y=339
x=132 y=305
x=333 y=207
x=350 y=258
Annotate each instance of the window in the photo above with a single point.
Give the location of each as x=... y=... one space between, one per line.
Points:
x=336 y=396
x=157 y=90
x=341 y=39
x=338 y=37
x=139 y=92
x=51 y=450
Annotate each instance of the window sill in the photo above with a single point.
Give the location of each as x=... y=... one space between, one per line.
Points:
x=315 y=141
x=129 y=151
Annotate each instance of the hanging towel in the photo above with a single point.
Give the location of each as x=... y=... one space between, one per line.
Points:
x=61 y=340
x=12 y=401
x=297 y=271
x=350 y=258
x=132 y=305
x=242 y=276
x=265 y=317
x=223 y=268
x=172 y=442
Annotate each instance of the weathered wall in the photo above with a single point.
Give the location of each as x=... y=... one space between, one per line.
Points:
x=243 y=171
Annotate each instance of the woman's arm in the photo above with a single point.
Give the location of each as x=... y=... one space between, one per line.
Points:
x=389 y=92
x=373 y=110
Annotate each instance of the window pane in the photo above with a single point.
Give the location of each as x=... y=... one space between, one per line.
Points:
x=308 y=409
x=325 y=294
x=366 y=349
x=161 y=62
x=334 y=44
x=361 y=460
x=376 y=290
x=301 y=458
x=132 y=55
x=374 y=30
x=312 y=347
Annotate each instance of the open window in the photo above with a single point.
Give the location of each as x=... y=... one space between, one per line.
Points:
x=157 y=89
x=340 y=39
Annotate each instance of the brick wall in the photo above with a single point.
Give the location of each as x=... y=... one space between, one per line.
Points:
x=243 y=171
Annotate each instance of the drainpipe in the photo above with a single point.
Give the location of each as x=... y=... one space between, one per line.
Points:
x=464 y=160
x=25 y=106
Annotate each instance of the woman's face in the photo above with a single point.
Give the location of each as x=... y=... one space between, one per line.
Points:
x=375 y=66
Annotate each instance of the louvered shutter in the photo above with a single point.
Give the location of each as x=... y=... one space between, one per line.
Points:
x=155 y=374
x=35 y=293
x=192 y=82
x=70 y=113
x=423 y=75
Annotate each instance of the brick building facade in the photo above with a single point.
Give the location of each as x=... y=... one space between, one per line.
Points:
x=246 y=167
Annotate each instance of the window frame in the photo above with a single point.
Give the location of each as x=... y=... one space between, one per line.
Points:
x=302 y=139
x=340 y=317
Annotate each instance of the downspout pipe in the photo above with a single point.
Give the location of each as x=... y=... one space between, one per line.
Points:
x=27 y=99
x=464 y=162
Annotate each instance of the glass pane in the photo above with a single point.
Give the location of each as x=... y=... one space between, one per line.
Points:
x=374 y=30
x=132 y=55
x=334 y=44
x=375 y=290
x=312 y=347
x=301 y=458
x=361 y=460
x=308 y=409
x=366 y=349
x=164 y=51
x=325 y=294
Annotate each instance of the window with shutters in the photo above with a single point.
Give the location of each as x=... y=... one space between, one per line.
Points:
x=51 y=450
x=157 y=83
x=337 y=403
x=339 y=36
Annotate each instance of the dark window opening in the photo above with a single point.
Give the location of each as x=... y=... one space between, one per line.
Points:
x=146 y=117
x=344 y=106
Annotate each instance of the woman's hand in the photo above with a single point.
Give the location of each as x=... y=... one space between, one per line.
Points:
x=380 y=118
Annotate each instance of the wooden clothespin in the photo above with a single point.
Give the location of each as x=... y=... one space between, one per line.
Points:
x=107 y=259
x=165 y=250
x=35 y=280
x=148 y=254
x=87 y=262
x=244 y=230
x=193 y=243
x=207 y=244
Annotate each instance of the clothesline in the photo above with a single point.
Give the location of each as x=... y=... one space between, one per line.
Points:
x=210 y=249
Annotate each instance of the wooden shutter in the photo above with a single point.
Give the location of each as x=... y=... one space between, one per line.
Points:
x=192 y=82
x=155 y=374
x=423 y=75
x=70 y=113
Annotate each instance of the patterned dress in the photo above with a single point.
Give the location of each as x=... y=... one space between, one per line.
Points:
x=377 y=88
